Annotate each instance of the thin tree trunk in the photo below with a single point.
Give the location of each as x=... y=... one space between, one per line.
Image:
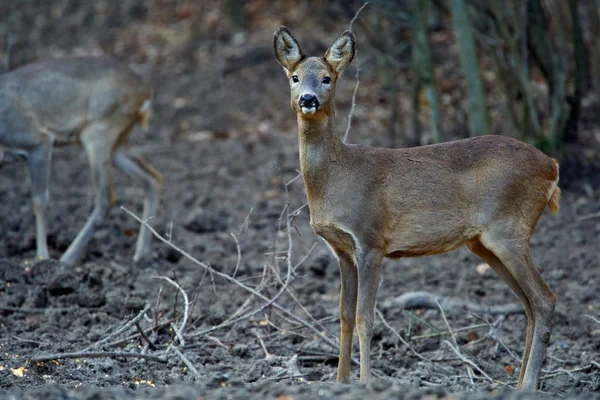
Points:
x=478 y=117
x=581 y=73
x=424 y=69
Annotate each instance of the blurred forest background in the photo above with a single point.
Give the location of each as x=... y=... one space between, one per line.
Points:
x=439 y=69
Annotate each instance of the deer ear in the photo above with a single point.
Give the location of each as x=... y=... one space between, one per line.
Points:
x=286 y=48
x=341 y=52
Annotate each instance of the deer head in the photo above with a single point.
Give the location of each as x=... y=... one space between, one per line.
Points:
x=313 y=79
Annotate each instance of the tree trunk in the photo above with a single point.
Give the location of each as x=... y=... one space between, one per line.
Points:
x=478 y=117
x=424 y=69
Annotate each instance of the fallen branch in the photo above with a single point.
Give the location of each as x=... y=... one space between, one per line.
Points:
x=429 y=300
x=96 y=354
x=38 y=310
x=571 y=372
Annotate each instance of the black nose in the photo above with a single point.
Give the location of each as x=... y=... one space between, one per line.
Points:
x=308 y=100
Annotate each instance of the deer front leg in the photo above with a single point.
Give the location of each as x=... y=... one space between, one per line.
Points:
x=368 y=265
x=348 y=294
x=39 y=161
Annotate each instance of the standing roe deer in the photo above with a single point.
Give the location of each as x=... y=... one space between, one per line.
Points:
x=486 y=193
x=90 y=100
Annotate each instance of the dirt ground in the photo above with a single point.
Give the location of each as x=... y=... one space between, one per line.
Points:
x=224 y=138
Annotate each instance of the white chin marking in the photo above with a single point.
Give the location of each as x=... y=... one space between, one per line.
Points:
x=307 y=110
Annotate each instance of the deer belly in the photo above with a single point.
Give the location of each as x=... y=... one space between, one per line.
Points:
x=423 y=240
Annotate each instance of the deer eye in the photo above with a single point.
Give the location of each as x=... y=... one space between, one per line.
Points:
x=295 y=78
x=326 y=80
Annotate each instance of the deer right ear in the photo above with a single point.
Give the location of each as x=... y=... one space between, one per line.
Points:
x=286 y=48
x=341 y=52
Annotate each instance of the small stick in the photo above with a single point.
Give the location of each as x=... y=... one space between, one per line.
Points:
x=146 y=339
x=245 y=224
x=37 y=310
x=596 y=320
x=571 y=372
x=466 y=360
x=96 y=354
x=404 y=342
x=178 y=334
x=292 y=366
x=353 y=106
x=436 y=334
x=130 y=337
x=453 y=337
x=447 y=323
x=124 y=328
x=268 y=355
x=187 y=363
x=588 y=216
x=239 y=254
x=186 y=304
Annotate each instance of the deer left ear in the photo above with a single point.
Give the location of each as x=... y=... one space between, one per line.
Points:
x=341 y=52
x=287 y=50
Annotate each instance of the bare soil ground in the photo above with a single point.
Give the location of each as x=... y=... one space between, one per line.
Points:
x=224 y=138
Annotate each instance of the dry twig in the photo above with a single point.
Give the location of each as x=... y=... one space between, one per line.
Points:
x=96 y=354
x=186 y=305
x=404 y=342
x=466 y=360
x=270 y=302
x=351 y=112
x=124 y=328
x=187 y=363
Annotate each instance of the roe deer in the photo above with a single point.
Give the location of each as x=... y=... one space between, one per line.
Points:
x=486 y=193
x=89 y=100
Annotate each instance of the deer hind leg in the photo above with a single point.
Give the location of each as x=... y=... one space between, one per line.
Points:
x=497 y=265
x=151 y=180
x=98 y=149
x=516 y=257
x=39 y=161
x=369 y=272
x=348 y=295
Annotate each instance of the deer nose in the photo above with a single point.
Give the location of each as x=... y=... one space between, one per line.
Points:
x=308 y=100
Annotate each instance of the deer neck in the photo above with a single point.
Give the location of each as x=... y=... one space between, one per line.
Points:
x=320 y=152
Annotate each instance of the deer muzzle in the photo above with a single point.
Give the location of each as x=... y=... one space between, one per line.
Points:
x=308 y=103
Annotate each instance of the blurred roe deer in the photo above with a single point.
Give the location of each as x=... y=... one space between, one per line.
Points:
x=486 y=193
x=93 y=101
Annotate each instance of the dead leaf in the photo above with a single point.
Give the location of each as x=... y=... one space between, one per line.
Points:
x=19 y=372
x=509 y=369
x=472 y=336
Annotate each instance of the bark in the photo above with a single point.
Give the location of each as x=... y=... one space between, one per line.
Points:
x=478 y=117
x=424 y=77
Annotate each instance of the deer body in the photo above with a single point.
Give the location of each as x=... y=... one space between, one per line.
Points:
x=486 y=193
x=92 y=101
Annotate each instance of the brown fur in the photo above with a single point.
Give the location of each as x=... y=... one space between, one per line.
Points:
x=486 y=193
x=93 y=101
